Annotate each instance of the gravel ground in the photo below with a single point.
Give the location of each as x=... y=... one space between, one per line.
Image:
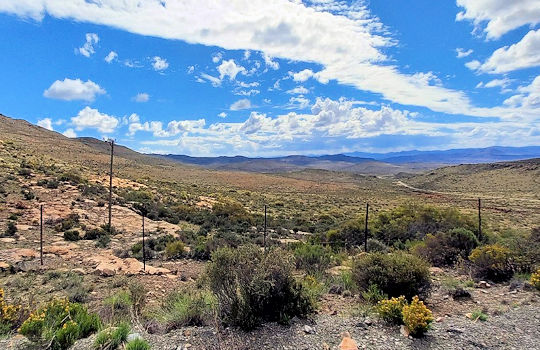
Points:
x=518 y=328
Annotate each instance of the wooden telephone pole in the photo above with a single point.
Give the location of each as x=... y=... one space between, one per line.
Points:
x=110 y=185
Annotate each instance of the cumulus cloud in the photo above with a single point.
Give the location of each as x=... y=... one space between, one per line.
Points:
x=298 y=90
x=45 y=123
x=88 y=48
x=159 y=64
x=523 y=54
x=500 y=16
x=141 y=97
x=74 y=89
x=111 y=57
x=270 y=62
x=241 y=104
x=460 y=53
x=229 y=69
x=302 y=75
x=348 y=42
x=89 y=118
x=70 y=133
x=222 y=115
x=501 y=83
x=298 y=102
x=330 y=123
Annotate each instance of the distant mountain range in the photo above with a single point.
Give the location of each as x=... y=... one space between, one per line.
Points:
x=364 y=163
x=455 y=156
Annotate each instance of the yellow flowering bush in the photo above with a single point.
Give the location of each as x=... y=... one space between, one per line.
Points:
x=535 y=279
x=390 y=310
x=492 y=262
x=9 y=314
x=59 y=323
x=417 y=317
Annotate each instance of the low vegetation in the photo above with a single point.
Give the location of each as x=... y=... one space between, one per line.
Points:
x=58 y=324
x=394 y=274
x=253 y=287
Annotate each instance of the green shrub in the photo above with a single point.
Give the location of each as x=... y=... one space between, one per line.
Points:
x=71 y=221
x=103 y=241
x=11 y=229
x=59 y=324
x=72 y=178
x=492 y=262
x=313 y=258
x=391 y=310
x=394 y=274
x=374 y=245
x=72 y=235
x=478 y=315
x=446 y=248
x=138 y=344
x=112 y=337
x=373 y=294
x=413 y=222
x=118 y=306
x=174 y=250
x=417 y=317
x=350 y=233
x=187 y=307
x=253 y=287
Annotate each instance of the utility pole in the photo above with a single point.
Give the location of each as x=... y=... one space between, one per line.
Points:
x=110 y=185
x=41 y=234
x=366 y=228
x=264 y=239
x=479 y=219
x=143 y=248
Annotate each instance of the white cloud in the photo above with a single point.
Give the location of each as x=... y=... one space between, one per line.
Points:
x=348 y=44
x=248 y=85
x=298 y=90
x=247 y=54
x=250 y=92
x=88 y=48
x=159 y=63
x=523 y=54
x=460 y=53
x=213 y=80
x=111 y=57
x=222 y=115
x=217 y=57
x=473 y=65
x=229 y=69
x=70 y=133
x=45 y=123
x=501 y=83
x=302 y=75
x=74 y=89
x=141 y=97
x=528 y=98
x=298 y=102
x=269 y=62
x=191 y=69
x=336 y=122
x=501 y=16
x=241 y=104
x=89 y=118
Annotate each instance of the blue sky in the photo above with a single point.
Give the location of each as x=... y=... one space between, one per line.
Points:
x=262 y=78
